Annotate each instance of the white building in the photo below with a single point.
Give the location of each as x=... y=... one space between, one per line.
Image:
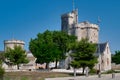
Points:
x=70 y=24
x=104 y=57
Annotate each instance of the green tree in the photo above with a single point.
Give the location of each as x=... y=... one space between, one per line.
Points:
x=16 y=55
x=116 y=57
x=50 y=46
x=2 y=57
x=2 y=71
x=62 y=41
x=42 y=48
x=83 y=54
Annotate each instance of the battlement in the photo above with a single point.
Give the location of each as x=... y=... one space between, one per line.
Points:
x=14 y=41
x=87 y=24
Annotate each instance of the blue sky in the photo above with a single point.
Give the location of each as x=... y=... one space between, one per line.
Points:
x=24 y=19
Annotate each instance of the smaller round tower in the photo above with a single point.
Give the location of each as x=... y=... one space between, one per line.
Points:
x=12 y=43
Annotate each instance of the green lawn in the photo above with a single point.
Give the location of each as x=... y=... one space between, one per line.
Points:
x=32 y=75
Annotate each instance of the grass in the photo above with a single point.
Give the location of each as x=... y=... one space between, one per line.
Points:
x=33 y=75
x=111 y=71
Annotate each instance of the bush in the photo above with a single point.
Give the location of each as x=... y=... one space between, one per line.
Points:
x=93 y=71
x=109 y=71
x=2 y=71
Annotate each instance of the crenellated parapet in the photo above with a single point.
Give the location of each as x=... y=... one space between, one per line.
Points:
x=12 y=43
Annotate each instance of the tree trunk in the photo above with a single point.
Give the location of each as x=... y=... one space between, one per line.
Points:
x=83 y=70
x=18 y=66
x=74 y=72
x=56 y=64
x=47 y=65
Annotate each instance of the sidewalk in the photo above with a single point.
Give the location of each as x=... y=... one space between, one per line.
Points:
x=93 y=77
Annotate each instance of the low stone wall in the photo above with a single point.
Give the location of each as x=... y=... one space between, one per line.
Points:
x=115 y=66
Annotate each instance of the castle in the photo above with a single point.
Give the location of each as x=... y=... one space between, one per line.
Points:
x=81 y=30
x=70 y=24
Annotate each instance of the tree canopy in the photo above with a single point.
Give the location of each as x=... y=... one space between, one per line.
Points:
x=2 y=57
x=83 y=54
x=116 y=57
x=62 y=40
x=16 y=55
x=42 y=48
x=50 y=46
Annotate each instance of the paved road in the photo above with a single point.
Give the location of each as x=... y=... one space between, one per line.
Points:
x=95 y=77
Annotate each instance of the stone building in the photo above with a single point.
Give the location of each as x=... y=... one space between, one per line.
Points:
x=31 y=58
x=104 y=56
x=85 y=29
x=81 y=30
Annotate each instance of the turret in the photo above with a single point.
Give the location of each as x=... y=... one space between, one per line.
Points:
x=68 y=21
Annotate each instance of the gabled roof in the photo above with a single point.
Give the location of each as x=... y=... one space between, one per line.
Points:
x=101 y=47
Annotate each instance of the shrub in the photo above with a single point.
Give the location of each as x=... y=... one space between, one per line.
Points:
x=2 y=71
x=24 y=78
x=109 y=71
x=93 y=71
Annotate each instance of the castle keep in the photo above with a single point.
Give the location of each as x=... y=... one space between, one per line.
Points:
x=81 y=30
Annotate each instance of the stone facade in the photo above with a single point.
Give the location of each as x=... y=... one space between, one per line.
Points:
x=69 y=24
x=12 y=43
x=81 y=30
x=104 y=57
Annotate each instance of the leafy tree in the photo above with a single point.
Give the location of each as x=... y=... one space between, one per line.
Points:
x=116 y=57
x=62 y=40
x=2 y=71
x=16 y=55
x=2 y=57
x=42 y=48
x=50 y=46
x=83 y=54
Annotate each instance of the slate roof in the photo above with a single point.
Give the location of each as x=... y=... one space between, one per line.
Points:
x=101 y=47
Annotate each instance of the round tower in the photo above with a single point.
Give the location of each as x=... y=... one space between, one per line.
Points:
x=12 y=43
x=89 y=31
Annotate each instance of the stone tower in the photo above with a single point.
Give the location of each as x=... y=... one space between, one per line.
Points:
x=69 y=22
x=12 y=43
